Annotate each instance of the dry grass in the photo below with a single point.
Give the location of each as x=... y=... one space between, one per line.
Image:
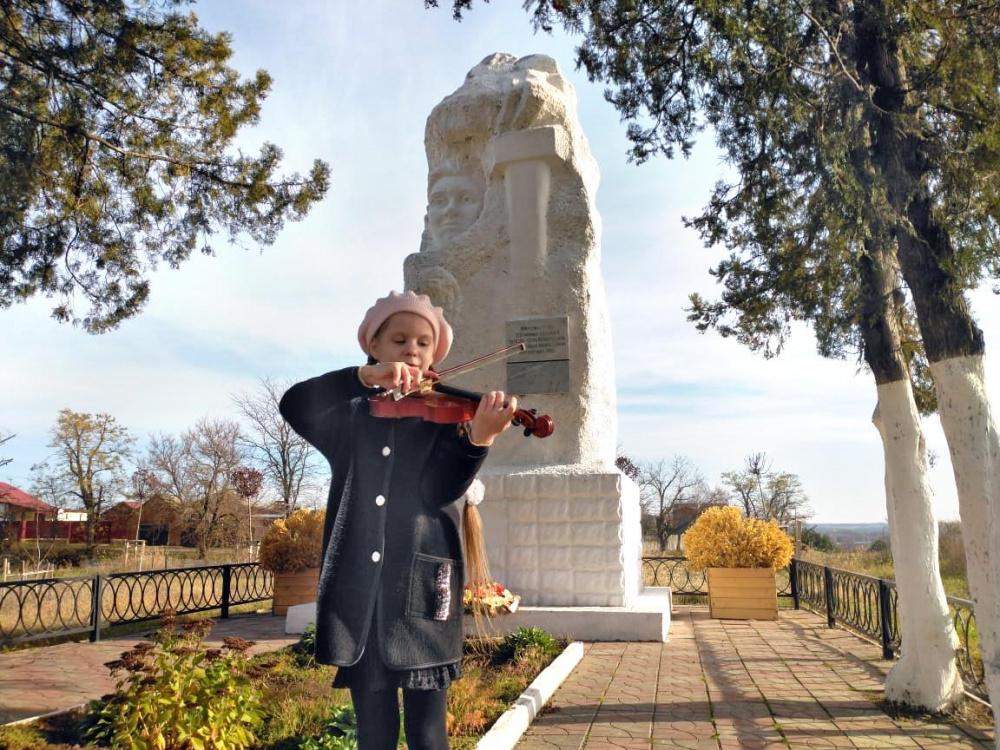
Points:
x=115 y=559
x=880 y=565
x=486 y=691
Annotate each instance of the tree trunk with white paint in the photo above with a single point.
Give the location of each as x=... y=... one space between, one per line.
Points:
x=926 y=673
x=952 y=341
x=975 y=457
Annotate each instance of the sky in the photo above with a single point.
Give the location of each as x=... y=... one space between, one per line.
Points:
x=353 y=85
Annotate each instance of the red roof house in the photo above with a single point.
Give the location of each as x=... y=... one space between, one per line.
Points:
x=23 y=516
x=19 y=501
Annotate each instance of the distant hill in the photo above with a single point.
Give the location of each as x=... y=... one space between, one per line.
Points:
x=853 y=534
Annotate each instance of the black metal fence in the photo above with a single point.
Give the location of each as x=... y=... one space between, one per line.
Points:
x=52 y=607
x=862 y=603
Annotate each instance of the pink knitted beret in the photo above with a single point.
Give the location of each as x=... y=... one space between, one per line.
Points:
x=419 y=304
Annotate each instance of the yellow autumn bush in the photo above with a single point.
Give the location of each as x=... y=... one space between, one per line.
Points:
x=293 y=544
x=723 y=538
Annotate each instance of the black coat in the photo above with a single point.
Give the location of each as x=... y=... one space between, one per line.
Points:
x=392 y=526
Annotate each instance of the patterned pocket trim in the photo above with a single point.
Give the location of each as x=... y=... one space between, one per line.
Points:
x=442 y=590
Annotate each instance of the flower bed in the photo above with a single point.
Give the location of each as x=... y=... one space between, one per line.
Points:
x=301 y=711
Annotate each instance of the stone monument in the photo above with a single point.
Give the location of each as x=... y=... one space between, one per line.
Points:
x=511 y=251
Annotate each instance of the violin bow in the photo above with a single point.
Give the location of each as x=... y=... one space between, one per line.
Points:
x=428 y=383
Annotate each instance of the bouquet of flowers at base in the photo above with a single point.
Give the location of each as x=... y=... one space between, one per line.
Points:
x=489 y=598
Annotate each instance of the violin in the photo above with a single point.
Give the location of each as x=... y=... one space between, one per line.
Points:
x=436 y=402
x=445 y=404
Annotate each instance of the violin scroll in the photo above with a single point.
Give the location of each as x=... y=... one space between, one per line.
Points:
x=539 y=426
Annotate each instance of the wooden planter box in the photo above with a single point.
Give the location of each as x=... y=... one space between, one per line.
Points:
x=294 y=588
x=742 y=594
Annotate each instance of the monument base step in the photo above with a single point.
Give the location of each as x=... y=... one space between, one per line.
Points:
x=647 y=620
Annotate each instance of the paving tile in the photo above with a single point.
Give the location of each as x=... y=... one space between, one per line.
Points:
x=532 y=741
x=681 y=743
x=743 y=664
x=605 y=743
x=51 y=678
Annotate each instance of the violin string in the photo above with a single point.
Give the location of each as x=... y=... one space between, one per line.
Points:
x=472 y=364
x=509 y=351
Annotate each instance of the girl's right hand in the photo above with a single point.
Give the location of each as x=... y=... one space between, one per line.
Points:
x=391 y=375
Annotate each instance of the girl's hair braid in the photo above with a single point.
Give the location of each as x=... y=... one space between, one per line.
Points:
x=477 y=566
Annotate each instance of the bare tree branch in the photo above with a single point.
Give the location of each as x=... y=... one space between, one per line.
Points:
x=288 y=461
x=3 y=439
x=196 y=469
x=664 y=487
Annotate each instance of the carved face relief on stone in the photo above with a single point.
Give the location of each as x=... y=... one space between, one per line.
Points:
x=454 y=202
x=438 y=284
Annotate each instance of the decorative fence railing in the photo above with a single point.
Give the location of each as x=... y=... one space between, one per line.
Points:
x=49 y=607
x=862 y=603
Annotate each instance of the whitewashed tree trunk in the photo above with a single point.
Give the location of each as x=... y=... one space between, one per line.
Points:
x=975 y=457
x=926 y=673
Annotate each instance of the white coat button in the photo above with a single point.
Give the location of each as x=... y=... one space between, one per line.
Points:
x=380 y=499
x=376 y=556
x=386 y=451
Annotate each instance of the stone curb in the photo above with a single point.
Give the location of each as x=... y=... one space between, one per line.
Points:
x=46 y=715
x=507 y=730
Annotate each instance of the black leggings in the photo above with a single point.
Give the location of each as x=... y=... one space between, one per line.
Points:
x=423 y=718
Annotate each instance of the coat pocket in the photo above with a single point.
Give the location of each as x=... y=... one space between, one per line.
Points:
x=435 y=587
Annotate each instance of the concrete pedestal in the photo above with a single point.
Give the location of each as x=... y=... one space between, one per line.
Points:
x=564 y=536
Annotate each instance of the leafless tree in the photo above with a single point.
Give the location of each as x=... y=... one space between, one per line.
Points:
x=665 y=486
x=767 y=494
x=196 y=468
x=3 y=439
x=289 y=462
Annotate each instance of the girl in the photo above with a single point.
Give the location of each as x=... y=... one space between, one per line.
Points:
x=389 y=605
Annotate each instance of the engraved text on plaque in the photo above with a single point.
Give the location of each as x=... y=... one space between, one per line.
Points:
x=544 y=366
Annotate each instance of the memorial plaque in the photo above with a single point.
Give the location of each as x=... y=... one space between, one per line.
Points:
x=544 y=366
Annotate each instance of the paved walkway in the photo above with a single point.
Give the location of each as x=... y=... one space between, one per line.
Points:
x=716 y=685
x=38 y=681
x=726 y=685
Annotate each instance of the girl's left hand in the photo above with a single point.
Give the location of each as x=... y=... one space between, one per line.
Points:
x=491 y=417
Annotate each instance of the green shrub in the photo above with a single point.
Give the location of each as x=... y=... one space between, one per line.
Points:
x=515 y=643
x=62 y=554
x=880 y=546
x=305 y=649
x=174 y=694
x=340 y=732
x=508 y=688
x=816 y=540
